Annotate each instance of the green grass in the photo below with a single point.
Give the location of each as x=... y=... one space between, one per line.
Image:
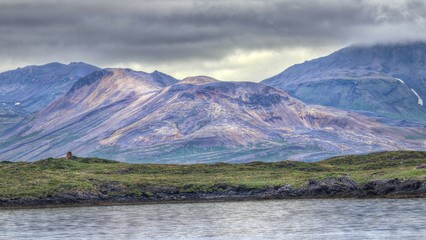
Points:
x=50 y=177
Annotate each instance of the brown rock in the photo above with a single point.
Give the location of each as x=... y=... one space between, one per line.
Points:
x=69 y=155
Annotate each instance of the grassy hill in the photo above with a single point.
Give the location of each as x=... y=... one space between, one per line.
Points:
x=88 y=177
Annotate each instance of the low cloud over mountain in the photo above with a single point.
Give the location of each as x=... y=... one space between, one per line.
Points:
x=215 y=38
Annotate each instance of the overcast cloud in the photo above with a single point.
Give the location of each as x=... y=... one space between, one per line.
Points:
x=229 y=40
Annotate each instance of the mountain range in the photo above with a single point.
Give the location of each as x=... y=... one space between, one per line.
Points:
x=136 y=116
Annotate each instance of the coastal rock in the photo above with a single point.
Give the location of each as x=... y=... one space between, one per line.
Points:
x=332 y=186
x=114 y=192
x=394 y=186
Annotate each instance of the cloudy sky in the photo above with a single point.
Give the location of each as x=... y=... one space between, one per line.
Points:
x=239 y=40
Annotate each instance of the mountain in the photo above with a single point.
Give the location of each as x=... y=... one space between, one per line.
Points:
x=387 y=80
x=152 y=117
x=34 y=87
x=198 y=80
x=26 y=90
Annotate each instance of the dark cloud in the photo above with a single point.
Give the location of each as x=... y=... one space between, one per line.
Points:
x=107 y=32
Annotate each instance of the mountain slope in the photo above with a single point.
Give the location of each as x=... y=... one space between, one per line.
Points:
x=140 y=117
x=386 y=80
x=26 y=90
x=34 y=87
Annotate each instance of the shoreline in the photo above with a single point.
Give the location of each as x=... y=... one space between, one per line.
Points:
x=94 y=181
x=329 y=188
x=186 y=201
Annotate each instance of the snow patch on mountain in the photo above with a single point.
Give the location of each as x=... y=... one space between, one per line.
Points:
x=400 y=80
x=420 y=100
x=363 y=79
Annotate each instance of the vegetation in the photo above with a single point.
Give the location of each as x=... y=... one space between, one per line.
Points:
x=51 y=177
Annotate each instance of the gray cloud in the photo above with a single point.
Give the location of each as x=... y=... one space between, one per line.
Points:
x=172 y=33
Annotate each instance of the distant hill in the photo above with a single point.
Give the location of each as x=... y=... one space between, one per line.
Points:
x=387 y=80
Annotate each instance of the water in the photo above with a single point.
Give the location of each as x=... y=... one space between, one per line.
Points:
x=283 y=219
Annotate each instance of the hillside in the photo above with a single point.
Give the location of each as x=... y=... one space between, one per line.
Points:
x=34 y=87
x=93 y=180
x=24 y=91
x=383 y=80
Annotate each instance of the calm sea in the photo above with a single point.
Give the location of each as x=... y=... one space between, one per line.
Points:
x=278 y=219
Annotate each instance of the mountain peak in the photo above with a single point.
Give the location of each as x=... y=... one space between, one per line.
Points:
x=198 y=80
x=124 y=76
x=163 y=78
x=40 y=69
x=408 y=44
x=53 y=66
x=81 y=64
x=90 y=79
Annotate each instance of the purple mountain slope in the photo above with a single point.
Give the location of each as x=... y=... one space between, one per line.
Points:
x=152 y=117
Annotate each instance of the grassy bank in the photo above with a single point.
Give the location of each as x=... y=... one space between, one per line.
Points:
x=50 y=177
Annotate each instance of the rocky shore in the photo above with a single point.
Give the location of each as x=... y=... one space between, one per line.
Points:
x=341 y=187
